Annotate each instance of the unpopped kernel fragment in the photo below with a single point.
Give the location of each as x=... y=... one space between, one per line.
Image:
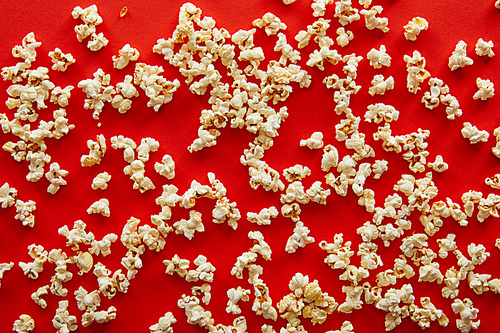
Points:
x=458 y=58
x=474 y=134
x=484 y=48
x=126 y=54
x=486 y=89
x=414 y=27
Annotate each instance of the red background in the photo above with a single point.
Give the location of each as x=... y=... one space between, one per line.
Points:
x=152 y=292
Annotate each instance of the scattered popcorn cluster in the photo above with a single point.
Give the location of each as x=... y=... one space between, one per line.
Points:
x=250 y=97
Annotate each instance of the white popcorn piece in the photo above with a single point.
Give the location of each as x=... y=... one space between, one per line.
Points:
x=87 y=302
x=61 y=60
x=367 y=199
x=7 y=195
x=98 y=91
x=497 y=4
x=379 y=58
x=104 y=245
x=242 y=262
x=110 y=285
x=330 y=158
x=188 y=227
x=390 y=303
x=354 y=274
x=4 y=267
x=402 y=268
x=264 y=216
x=467 y=313
x=206 y=138
x=194 y=312
x=430 y=273
x=385 y=278
x=27 y=49
x=438 y=165
x=487 y=207
x=478 y=282
x=61 y=126
x=121 y=142
x=381 y=112
x=319 y=7
x=474 y=134
x=97 y=150
x=234 y=296
x=55 y=176
x=226 y=210
x=344 y=37
x=486 y=89
x=484 y=48
x=203 y=291
x=204 y=271
x=496 y=149
x=296 y=172
x=25 y=324
x=77 y=235
x=318 y=28
x=271 y=24
x=166 y=168
x=63 y=321
x=100 y=206
x=451 y=283
x=314 y=142
x=379 y=167
x=493 y=182
x=300 y=238
x=287 y=51
x=24 y=212
x=346 y=325
x=415 y=66
x=291 y=211
x=345 y=12
x=374 y=22
x=263 y=304
x=146 y=146
x=370 y=259
x=37 y=296
x=164 y=324
x=446 y=245
x=339 y=252
x=85 y=262
x=295 y=192
x=381 y=85
x=132 y=262
x=316 y=58
x=288 y=2
x=97 y=42
x=124 y=92
x=101 y=181
x=318 y=194
x=159 y=90
x=136 y=171
x=458 y=58
x=61 y=260
x=177 y=265
x=477 y=253
x=126 y=54
x=414 y=27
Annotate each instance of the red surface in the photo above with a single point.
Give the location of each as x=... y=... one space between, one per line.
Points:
x=152 y=292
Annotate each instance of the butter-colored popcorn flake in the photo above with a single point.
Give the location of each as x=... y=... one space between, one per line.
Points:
x=206 y=138
x=339 y=252
x=101 y=181
x=486 y=89
x=319 y=7
x=488 y=207
x=97 y=41
x=296 y=172
x=374 y=22
x=97 y=150
x=452 y=106
x=147 y=145
x=287 y=51
x=132 y=262
x=379 y=167
x=474 y=134
x=24 y=324
x=439 y=165
x=477 y=253
x=37 y=296
x=128 y=145
x=129 y=237
x=242 y=262
x=478 y=282
x=63 y=321
x=344 y=37
x=100 y=206
x=467 y=314
x=345 y=13
x=402 y=268
x=317 y=57
x=381 y=112
x=381 y=85
x=300 y=238
x=61 y=60
x=226 y=210
x=493 y=182
x=27 y=49
x=430 y=273
x=126 y=54
x=109 y=284
x=87 y=301
x=190 y=226
x=77 y=235
x=55 y=176
x=104 y=245
x=24 y=212
x=379 y=58
x=271 y=24
x=164 y=324
x=98 y=91
x=484 y=48
x=203 y=291
x=415 y=66
x=391 y=304
x=4 y=267
x=458 y=58
x=414 y=27
x=166 y=168
x=61 y=126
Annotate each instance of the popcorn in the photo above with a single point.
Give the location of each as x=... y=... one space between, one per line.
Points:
x=386 y=278
x=484 y=48
x=370 y=259
x=225 y=210
x=417 y=73
x=24 y=324
x=299 y=238
x=354 y=274
x=469 y=199
x=132 y=262
x=98 y=91
x=478 y=282
x=61 y=260
x=374 y=22
x=195 y=313
x=264 y=216
x=390 y=303
x=37 y=296
x=103 y=246
x=121 y=142
x=109 y=286
x=77 y=235
x=378 y=58
x=477 y=253
x=90 y=19
x=97 y=151
x=147 y=146
x=474 y=134
x=126 y=54
x=136 y=171
x=438 y=165
x=458 y=58
x=402 y=268
x=234 y=296
x=318 y=28
x=379 y=167
x=101 y=181
x=319 y=7
x=55 y=177
x=317 y=57
x=63 y=321
x=467 y=314
x=381 y=112
x=100 y=206
x=24 y=212
x=271 y=24
x=339 y=252
x=4 y=267
x=414 y=27
x=344 y=37
x=206 y=138
x=345 y=13
x=446 y=245
x=124 y=92
x=380 y=85
x=61 y=60
x=493 y=182
x=485 y=88
x=317 y=194
x=166 y=168
x=430 y=273
x=204 y=291
x=291 y=211
x=7 y=196
x=27 y=49
x=497 y=5
x=164 y=324
x=451 y=282
x=188 y=227
x=159 y=90
x=488 y=207
x=346 y=325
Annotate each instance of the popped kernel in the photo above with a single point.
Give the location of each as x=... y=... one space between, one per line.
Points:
x=344 y=37
x=345 y=12
x=493 y=182
x=414 y=27
x=234 y=296
x=7 y=195
x=467 y=315
x=100 y=206
x=438 y=165
x=25 y=324
x=458 y=58
x=271 y=24
x=264 y=216
x=55 y=176
x=166 y=168
x=299 y=238
x=101 y=181
x=374 y=22
x=63 y=321
x=98 y=91
x=381 y=85
x=24 y=212
x=485 y=90
x=37 y=296
x=126 y=54
x=474 y=134
x=61 y=60
x=4 y=267
x=379 y=58
x=415 y=66
x=484 y=48
x=165 y=323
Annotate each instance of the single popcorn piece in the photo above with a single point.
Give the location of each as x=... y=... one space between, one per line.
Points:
x=319 y=7
x=203 y=291
x=485 y=88
x=7 y=196
x=63 y=321
x=55 y=176
x=439 y=165
x=101 y=181
x=126 y=54
x=97 y=151
x=345 y=12
x=381 y=112
x=314 y=142
x=37 y=296
x=166 y=168
x=24 y=212
x=27 y=49
x=467 y=314
x=25 y=324
x=474 y=134
x=484 y=48
x=414 y=27
x=374 y=22
x=379 y=58
x=380 y=85
x=4 y=267
x=188 y=227
x=300 y=238
x=344 y=37
x=61 y=60
x=458 y=58
x=494 y=181
x=164 y=324
x=235 y=296
x=271 y=24
x=98 y=91
x=446 y=245
x=61 y=96
x=101 y=206
x=296 y=172
x=346 y=325
x=264 y=216
x=124 y=92
x=379 y=167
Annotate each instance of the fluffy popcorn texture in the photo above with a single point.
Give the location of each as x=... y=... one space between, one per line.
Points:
x=458 y=58
x=414 y=27
x=485 y=90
